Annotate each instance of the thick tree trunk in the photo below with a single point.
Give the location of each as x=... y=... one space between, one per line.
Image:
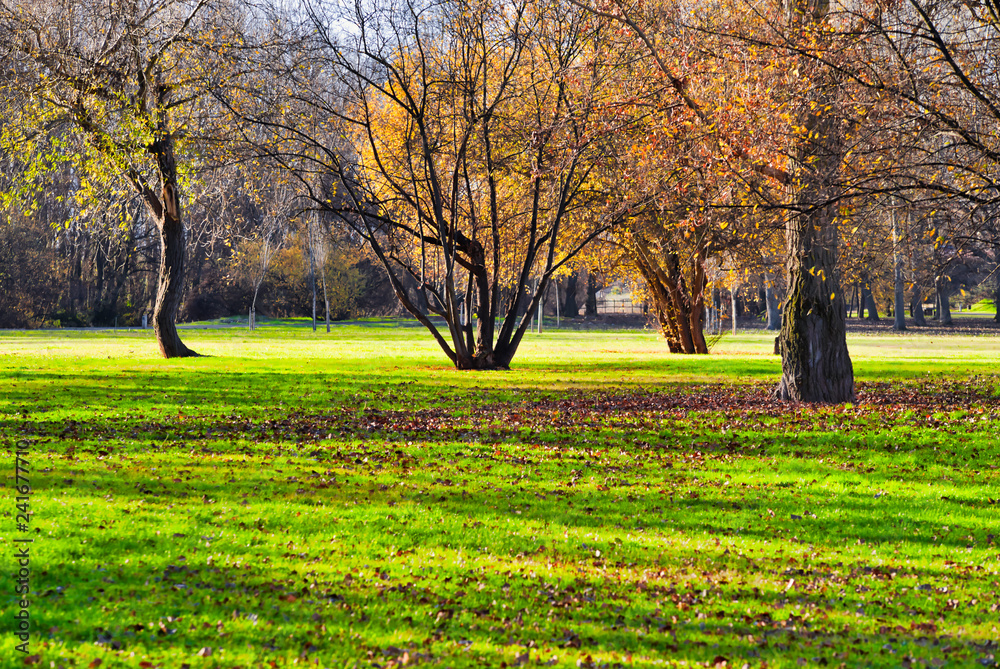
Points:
x=815 y=363
x=170 y=287
x=873 y=316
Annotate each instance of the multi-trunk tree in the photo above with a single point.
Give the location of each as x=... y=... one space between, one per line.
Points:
x=690 y=186
x=460 y=141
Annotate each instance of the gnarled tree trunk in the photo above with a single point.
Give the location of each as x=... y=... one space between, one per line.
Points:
x=680 y=310
x=815 y=364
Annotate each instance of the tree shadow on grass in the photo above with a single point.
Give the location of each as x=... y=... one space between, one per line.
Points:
x=393 y=504
x=388 y=500
x=160 y=603
x=391 y=523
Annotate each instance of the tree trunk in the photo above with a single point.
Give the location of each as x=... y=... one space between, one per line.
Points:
x=591 y=309
x=917 y=306
x=696 y=301
x=773 y=312
x=326 y=298
x=815 y=363
x=170 y=286
x=99 y=262
x=312 y=276
x=996 y=297
x=899 y=297
x=899 y=301
x=570 y=308
x=944 y=305
x=996 y=257
x=166 y=213
x=680 y=314
x=868 y=300
x=732 y=295
x=717 y=307
x=873 y=316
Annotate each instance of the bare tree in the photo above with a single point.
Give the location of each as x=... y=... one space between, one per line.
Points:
x=318 y=253
x=456 y=140
x=272 y=212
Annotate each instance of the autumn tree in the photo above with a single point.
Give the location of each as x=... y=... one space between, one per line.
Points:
x=459 y=140
x=129 y=79
x=689 y=205
x=804 y=178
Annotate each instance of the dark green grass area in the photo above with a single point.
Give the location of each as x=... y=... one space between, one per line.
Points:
x=349 y=500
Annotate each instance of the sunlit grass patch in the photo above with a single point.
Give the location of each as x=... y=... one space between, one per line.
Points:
x=343 y=500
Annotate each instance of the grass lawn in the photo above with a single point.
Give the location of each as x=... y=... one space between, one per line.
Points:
x=350 y=500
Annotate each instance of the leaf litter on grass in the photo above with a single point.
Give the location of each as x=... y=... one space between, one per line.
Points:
x=702 y=525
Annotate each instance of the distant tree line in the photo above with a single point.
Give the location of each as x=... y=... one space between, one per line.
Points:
x=58 y=268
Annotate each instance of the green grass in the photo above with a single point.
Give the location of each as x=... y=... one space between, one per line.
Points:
x=350 y=500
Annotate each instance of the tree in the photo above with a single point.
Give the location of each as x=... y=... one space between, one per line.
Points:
x=934 y=64
x=689 y=204
x=267 y=241
x=816 y=366
x=130 y=80
x=459 y=141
